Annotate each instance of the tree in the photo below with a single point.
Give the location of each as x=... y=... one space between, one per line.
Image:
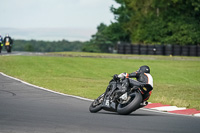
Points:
x=160 y=21
x=122 y=15
x=103 y=40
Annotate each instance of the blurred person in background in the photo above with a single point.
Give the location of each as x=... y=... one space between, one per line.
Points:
x=1 y=43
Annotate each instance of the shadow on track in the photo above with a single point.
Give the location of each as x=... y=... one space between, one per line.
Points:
x=133 y=114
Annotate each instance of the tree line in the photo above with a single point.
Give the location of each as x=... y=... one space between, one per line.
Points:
x=47 y=46
x=175 y=22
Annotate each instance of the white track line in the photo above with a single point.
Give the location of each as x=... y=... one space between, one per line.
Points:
x=168 y=108
x=198 y=115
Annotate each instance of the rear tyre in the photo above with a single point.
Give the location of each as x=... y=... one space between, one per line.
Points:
x=130 y=106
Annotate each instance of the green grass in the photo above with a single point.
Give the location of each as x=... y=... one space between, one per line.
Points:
x=176 y=79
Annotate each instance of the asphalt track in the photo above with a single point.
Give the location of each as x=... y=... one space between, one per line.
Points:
x=27 y=109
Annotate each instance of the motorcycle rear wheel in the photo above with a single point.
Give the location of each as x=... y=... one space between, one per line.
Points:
x=132 y=105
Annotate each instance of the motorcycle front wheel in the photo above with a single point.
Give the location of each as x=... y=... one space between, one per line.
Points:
x=96 y=105
x=131 y=105
x=8 y=48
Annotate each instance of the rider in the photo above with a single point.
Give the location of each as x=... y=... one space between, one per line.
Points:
x=142 y=75
x=1 y=43
x=8 y=40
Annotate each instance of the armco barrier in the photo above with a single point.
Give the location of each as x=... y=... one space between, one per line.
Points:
x=177 y=50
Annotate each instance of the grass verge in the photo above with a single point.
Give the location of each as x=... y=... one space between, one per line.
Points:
x=176 y=79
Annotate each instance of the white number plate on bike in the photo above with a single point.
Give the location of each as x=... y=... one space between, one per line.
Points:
x=107 y=103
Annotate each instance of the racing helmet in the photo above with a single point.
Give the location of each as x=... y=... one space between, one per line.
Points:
x=144 y=69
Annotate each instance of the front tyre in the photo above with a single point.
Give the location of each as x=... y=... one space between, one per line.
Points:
x=130 y=106
x=96 y=105
x=8 y=49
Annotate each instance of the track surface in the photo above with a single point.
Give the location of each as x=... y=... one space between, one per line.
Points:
x=25 y=109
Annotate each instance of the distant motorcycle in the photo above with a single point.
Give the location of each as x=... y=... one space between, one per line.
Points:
x=8 y=47
x=123 y=104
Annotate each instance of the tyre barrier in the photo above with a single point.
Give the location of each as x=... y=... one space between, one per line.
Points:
x=135 y=49
x=177 y=50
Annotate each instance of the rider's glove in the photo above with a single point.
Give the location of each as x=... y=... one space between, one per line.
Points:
x=115 y=77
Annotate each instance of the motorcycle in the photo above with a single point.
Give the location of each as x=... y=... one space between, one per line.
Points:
x=125 y=103
x=8 y=47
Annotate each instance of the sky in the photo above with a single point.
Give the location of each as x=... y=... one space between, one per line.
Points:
x=54 y=19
